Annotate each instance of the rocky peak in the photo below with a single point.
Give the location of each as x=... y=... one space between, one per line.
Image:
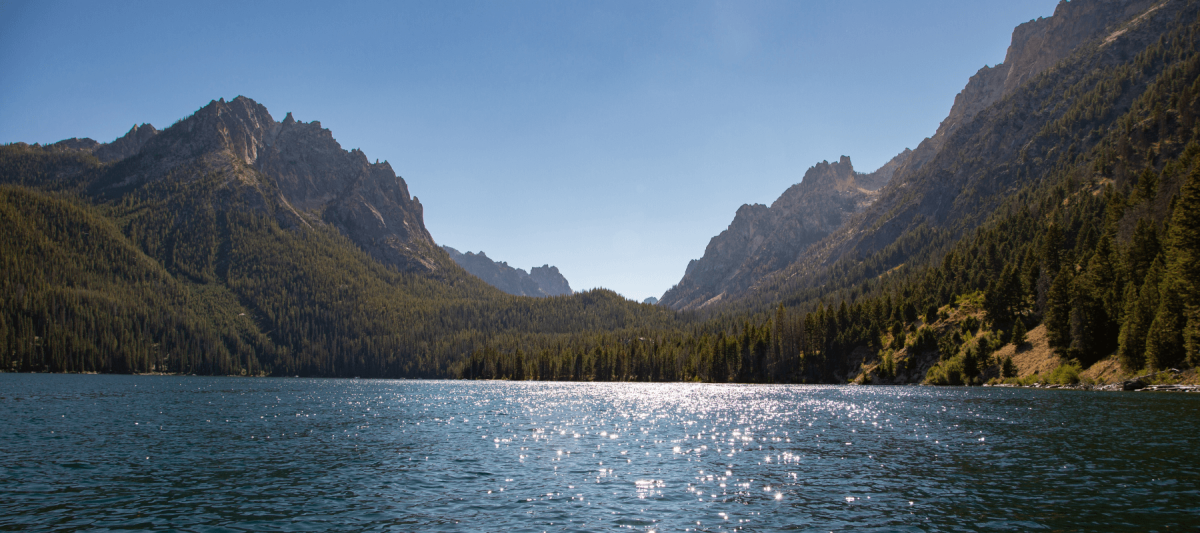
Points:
x=550 y=280
x=540 y=281
x=762 y=239
x=85 y=144
x=297 y=165
x=1039 y=44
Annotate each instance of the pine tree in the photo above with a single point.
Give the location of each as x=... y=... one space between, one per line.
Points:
x=1139 y=312
x=1007 y=368
x=1143 y=249
x=1183 y=243
x=1164 y=340
x=1058 y=310
x=1019 y=333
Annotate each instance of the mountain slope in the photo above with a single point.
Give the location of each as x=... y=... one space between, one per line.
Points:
x=234 y=244
x=994 y=141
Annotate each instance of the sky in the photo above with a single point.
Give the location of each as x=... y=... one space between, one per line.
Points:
x=612 y=139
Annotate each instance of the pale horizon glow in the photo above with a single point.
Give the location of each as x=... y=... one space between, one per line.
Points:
x=609 y=139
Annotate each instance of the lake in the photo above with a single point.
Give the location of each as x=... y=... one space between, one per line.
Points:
x=277 y=454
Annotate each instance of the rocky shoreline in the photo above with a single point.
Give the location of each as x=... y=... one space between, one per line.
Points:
x=1140 y=383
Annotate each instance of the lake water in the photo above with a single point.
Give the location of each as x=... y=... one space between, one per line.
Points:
x=242 y=454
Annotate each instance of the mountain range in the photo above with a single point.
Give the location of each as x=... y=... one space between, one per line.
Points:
x=1061 y=195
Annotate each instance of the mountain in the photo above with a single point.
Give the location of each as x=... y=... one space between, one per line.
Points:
x=538 y=282
x=230 y=243
x=1008 y=129
x=767 y=249
x=762 y=239
x=294 y=170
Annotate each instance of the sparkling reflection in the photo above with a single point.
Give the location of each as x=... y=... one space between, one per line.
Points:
x=205 y=453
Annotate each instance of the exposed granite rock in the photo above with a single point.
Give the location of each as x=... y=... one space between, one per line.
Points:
x=650 y=301
x=539 y=282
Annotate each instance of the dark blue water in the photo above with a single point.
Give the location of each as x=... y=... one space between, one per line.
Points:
x=238 y=454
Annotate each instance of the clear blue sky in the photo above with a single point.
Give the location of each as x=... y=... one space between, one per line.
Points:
x=612 y=139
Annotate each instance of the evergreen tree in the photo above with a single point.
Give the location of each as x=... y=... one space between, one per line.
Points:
x=1164 y=340
x=1184 y=263
x=1058 y=310
x=1143 y=249
x=1019 y=332
x=1007 y=368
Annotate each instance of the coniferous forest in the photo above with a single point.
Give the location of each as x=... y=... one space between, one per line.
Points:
x=1079 y=218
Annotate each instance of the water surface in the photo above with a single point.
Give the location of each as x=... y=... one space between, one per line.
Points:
x=241 y=454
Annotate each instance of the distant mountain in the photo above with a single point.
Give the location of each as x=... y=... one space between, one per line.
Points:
x=538 y=282
x=651 y=301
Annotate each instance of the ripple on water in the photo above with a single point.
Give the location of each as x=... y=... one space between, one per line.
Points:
x=159 y=452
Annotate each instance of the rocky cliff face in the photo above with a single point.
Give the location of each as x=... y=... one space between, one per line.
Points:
x=762 y=239
x=763 y=244
x=294 y=170
x=538 y=282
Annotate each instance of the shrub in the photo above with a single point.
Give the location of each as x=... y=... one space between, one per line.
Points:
x=946 y=373
x=969 y=324
x=887 y=366
x=1065 y=374
x=925 y=340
